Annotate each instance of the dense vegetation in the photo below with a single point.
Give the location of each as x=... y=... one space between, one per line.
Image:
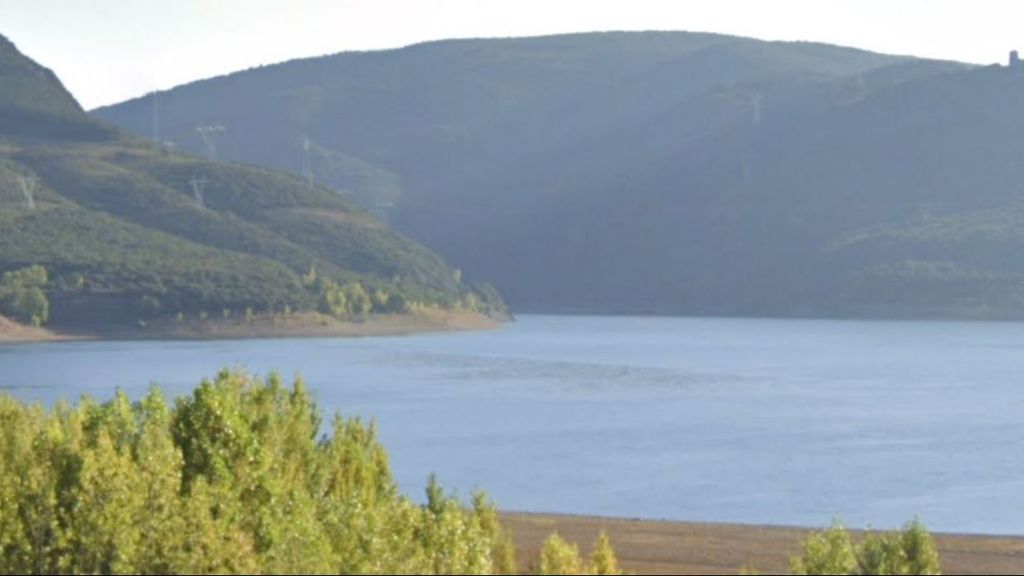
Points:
x=238 y=477
x=235 y=478
x=832 y=551
x=125 y=237
x=22 y=297
x=34 y=104
x=658 y=172
x=557 y=556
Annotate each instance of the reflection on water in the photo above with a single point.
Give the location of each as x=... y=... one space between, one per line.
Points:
x=786 y=422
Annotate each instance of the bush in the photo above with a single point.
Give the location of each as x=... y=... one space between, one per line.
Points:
x=22 y=296
x=911 y=551
x=557 y=556
x=827 y=552
x=602 y=560
x=560 y=557
x=231 y=479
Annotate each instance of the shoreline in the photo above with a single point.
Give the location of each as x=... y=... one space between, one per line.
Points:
x=676 y=547
x=298 y=325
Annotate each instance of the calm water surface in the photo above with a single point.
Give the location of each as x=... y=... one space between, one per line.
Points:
x=763 y=421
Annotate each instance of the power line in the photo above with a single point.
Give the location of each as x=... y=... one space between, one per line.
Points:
x=383 y=211
x=28 y=188
x=756 y=102
x=307 y=165
x=155 y=100
x=207 y=132
x=198 y=186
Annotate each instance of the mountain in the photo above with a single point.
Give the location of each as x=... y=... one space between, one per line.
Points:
x=129 y=231
x=33 y=102
x=656 y=172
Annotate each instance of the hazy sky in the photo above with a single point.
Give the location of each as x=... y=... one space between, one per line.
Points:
x=109 y=50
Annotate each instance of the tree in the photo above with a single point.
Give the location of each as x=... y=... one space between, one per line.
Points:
x=560 y=557
x=234 y=478
x=381 y=298
x=602 y=559
x=360 y=303
x=309 y=279
x=503 y=551
x=919 y=550
x=333 y=300
x=22 y=295
x=828 y=552
x=879 y=555
x=911 y=551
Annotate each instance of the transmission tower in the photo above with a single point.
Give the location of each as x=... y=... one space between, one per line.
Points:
x=198 y=185
x=860 y=87
x=207 y=132
x=28 y=188
x=384 y=211
x=307 y=165
x=155 y=100
x=755 y=102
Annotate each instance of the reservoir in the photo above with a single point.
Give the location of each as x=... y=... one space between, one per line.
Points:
x=725 y=420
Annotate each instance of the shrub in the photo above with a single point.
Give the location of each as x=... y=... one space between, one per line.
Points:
x=22 y=296
x=234 y=478
x=911 y=551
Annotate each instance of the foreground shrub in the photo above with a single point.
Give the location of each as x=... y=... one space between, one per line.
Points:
x=557 y=556
x=832 y=551
x=231 y=479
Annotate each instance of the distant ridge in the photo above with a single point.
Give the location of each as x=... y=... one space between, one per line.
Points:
x=660 y=172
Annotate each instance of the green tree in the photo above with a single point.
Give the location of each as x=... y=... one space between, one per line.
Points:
x=381 y=299
x=827 y=552
x=233 y=478
x=22 y=295
x=359 y=300
x=503 y=550
x=558 y=556
x=602 y=559
x=309 y=279
x=911 y=551
x=919 y=549
x=880 y=554
x=333 y=300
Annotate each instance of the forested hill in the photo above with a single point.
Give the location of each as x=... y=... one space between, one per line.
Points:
x=657 y=172
x=34 y=104
x=128 y=231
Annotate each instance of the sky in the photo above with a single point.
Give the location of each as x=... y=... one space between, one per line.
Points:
x=106 y=51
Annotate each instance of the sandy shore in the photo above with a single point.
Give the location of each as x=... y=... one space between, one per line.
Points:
x=654 y=547
x=12 y=332
x=300 y=325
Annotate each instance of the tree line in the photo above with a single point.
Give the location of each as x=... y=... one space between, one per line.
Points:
x=25 y=297
x=238 y=477
x=234 y=478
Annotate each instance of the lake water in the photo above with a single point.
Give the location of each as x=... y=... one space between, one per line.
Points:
x=734 y=420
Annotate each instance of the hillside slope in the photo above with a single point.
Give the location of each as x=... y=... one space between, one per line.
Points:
x=129 y=231
x=658 y=172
